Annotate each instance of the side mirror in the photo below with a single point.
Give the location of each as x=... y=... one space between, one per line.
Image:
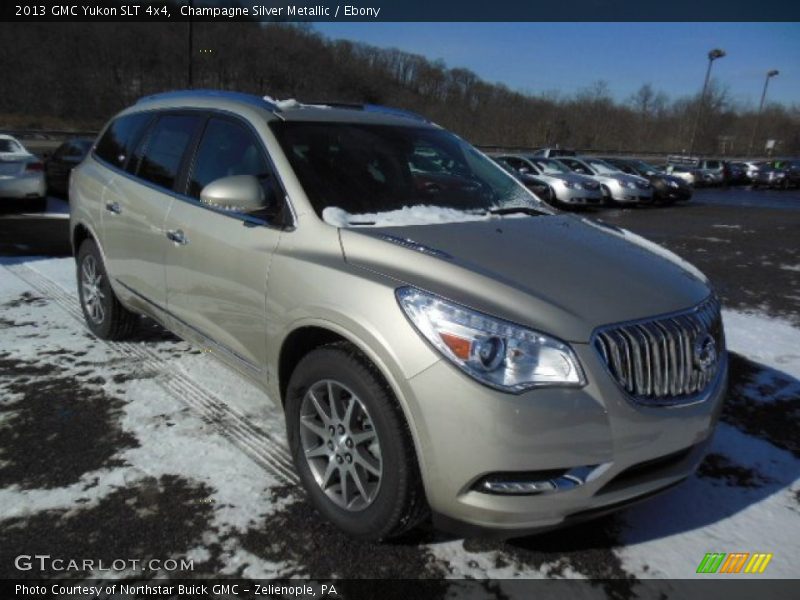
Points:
x=238 y=193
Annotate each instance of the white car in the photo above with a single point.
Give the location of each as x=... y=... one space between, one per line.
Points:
x=617 y=187
x=682 y=172
x=21 y=175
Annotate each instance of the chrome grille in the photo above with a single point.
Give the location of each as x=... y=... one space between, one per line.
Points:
x=666 y=360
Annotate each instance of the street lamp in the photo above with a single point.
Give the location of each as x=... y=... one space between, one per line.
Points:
x=712 y=56
x=190 y=54
x=771 y=73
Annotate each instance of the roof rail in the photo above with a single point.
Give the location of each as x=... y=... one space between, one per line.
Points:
x=221 y=94
x=398 y=112
x=278 y=106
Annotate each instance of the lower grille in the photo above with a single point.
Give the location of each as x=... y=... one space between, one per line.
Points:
x=668 y=360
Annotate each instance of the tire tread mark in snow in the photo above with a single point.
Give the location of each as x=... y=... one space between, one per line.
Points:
x=266 y=451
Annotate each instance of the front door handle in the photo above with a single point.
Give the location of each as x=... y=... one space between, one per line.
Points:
x=113 y=207
x=177 y=236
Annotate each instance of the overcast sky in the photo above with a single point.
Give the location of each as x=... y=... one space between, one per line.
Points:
x=564 y=57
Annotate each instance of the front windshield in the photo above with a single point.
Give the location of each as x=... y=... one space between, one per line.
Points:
x=646 y=167
x=550 y=166
x=365 y=169
x=601 y=167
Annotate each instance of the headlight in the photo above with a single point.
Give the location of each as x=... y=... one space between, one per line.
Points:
x=495 y=352
x=573 y=185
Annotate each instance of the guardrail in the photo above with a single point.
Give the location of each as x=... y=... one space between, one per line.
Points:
x=661 y=156
x=47 y=134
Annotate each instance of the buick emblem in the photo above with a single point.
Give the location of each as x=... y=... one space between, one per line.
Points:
x=705 y=352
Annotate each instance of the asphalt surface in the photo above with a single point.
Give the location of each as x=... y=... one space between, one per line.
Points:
x=746 y=241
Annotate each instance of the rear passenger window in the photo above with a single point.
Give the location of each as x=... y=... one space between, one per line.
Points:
x=226 y=149
x=118 y=140
x=158 y=160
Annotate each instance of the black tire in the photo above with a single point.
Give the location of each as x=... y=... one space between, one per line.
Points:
x=117 y=322
x=550 y=197
x=399 y=503
x=607 y=199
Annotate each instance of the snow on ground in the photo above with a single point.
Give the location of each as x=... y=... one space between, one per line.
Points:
x=771 y=341
x=159 y=442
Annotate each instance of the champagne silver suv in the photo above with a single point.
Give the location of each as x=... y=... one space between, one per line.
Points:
x=441 y=341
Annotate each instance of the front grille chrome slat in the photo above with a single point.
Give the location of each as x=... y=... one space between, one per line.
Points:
x=665 y=361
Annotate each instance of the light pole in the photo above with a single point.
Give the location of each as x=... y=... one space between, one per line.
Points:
x=712 y=56
x=190 y=74
x=771 y=73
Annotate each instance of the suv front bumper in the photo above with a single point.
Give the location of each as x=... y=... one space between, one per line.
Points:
x=467 y=431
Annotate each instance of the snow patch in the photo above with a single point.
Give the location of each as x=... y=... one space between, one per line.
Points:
x=408 y=215
x=769 y=340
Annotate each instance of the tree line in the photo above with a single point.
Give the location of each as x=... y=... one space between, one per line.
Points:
x=82 y=73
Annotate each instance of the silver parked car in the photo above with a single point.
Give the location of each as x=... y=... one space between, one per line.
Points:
x=21 y=175
x=440 y=340
x=568 y=187
x=617 y=187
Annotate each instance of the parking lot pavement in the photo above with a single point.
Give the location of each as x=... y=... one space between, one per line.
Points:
x=153 y=449
x=746 y=241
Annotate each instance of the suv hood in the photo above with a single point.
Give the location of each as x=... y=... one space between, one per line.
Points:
x=558 y=274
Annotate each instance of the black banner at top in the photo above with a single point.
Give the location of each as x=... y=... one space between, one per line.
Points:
x=399 y=10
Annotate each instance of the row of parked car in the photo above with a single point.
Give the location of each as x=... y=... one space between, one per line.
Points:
x=780 y=173
x=564 y=178
x=589 y=181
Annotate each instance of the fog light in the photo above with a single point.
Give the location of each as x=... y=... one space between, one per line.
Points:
x=534 y=482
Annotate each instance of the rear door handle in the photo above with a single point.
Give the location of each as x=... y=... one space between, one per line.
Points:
x=177 y=236
x=113 y=207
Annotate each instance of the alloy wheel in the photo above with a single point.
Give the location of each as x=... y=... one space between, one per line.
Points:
x=92 y=296
x=340 y=445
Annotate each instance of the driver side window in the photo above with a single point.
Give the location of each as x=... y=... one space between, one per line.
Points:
x=228 y=148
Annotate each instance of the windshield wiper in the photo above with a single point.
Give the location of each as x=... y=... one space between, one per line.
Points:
x=510 y=210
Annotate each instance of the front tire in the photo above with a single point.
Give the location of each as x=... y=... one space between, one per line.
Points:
x=104 y=314
x=351 y=445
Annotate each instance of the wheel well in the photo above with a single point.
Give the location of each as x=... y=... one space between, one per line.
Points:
x=79 y=235
x=299 y=343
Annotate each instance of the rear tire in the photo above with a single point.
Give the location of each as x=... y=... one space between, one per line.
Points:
x=393 y=500
x=104 y=314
